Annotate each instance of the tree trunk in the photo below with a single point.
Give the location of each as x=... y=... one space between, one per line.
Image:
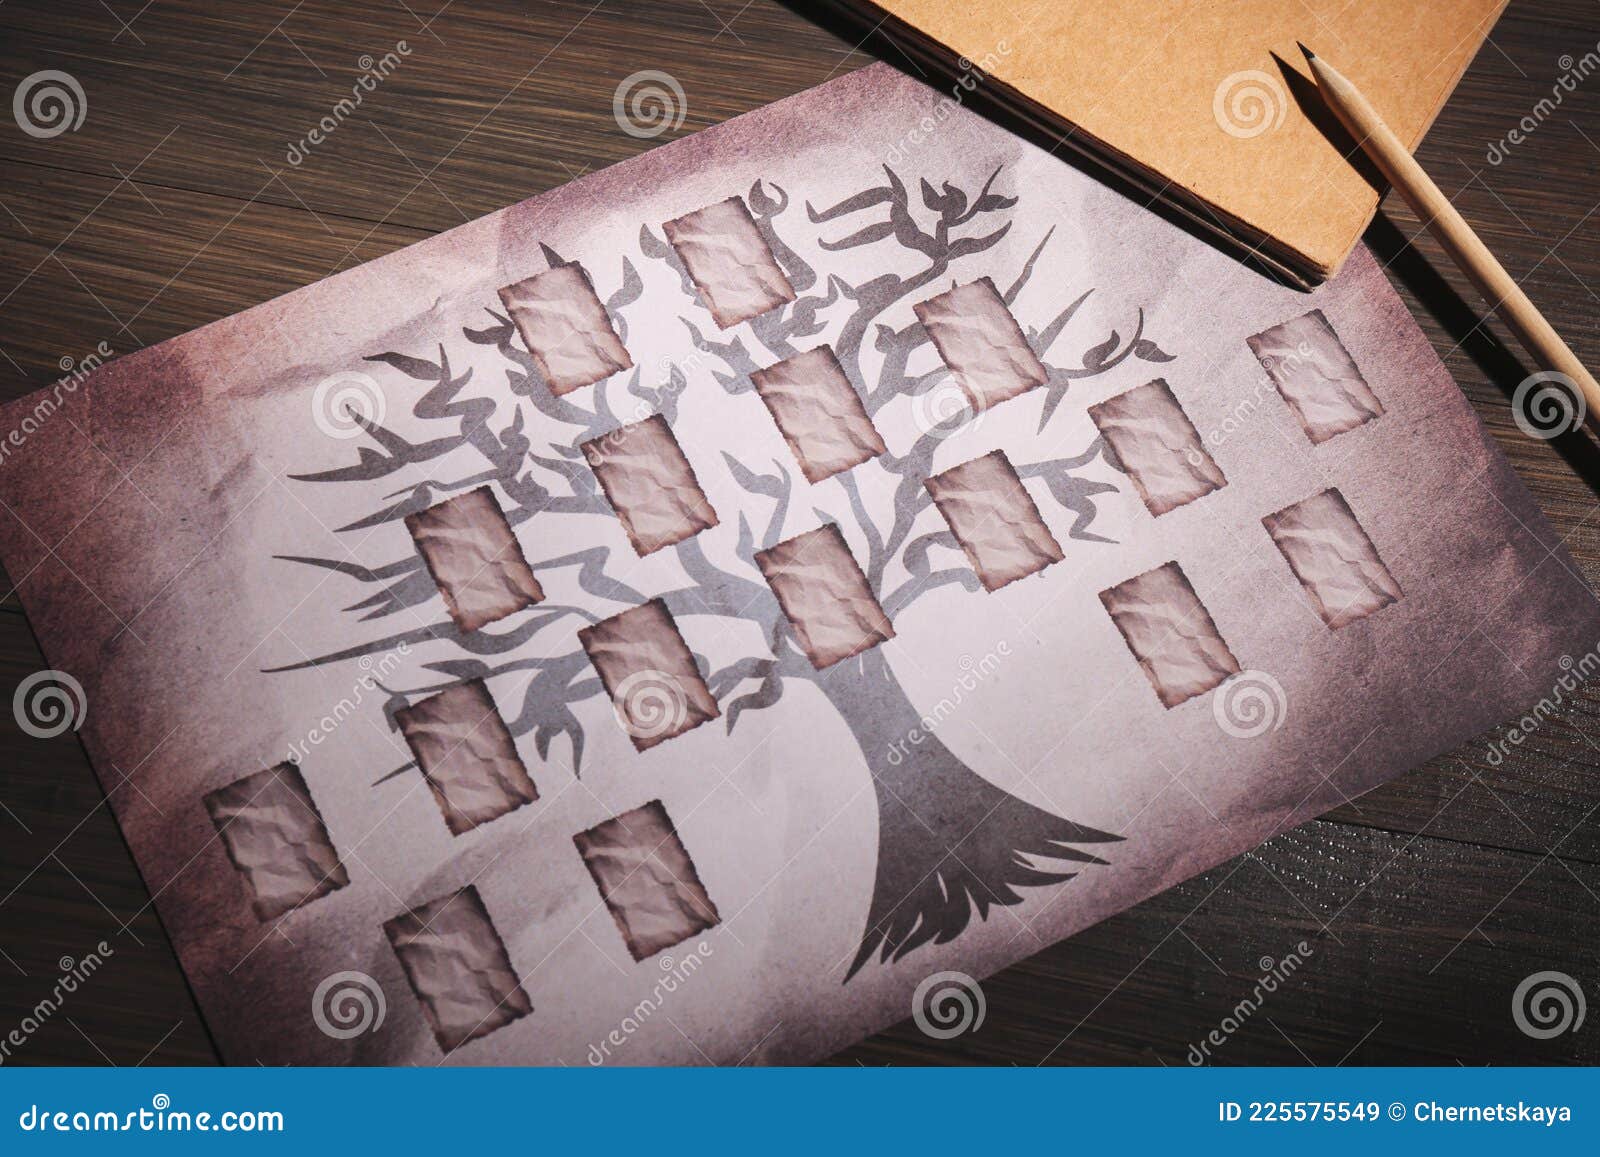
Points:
x=949 y=842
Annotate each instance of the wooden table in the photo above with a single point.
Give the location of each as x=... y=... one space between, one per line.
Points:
x=1424 y=903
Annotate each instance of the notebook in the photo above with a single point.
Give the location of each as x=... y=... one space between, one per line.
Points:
x=1190 y=100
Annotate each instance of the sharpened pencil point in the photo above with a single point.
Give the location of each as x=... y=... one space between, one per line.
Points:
x=1310 y=56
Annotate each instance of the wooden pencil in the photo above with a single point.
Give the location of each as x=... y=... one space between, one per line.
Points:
x=1503 y=295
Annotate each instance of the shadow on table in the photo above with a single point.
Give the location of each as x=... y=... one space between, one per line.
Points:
x=1464 y=321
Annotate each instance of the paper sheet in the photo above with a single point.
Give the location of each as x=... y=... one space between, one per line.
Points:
x=228 y=573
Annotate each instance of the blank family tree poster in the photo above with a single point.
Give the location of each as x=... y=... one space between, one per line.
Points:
x=842 y=546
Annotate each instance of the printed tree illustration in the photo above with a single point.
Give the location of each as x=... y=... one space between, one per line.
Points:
x=951 y=845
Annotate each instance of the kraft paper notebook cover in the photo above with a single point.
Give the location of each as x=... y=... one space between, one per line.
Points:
x=683 y=616
x=1184 y=99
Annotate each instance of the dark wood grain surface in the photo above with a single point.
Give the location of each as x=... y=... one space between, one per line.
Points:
x=1422 y=905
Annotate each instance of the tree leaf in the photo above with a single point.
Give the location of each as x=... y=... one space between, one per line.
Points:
x=990 y=202
x=494 y=335
x=1097 y=356
x=764 y=206
x=863 y=200
x=651 y=245
x=865 y=236
x=1148 y=350
x=419 y=368
x=954 y=200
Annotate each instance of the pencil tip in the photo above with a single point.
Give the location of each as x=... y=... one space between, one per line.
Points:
x=1310 y=56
